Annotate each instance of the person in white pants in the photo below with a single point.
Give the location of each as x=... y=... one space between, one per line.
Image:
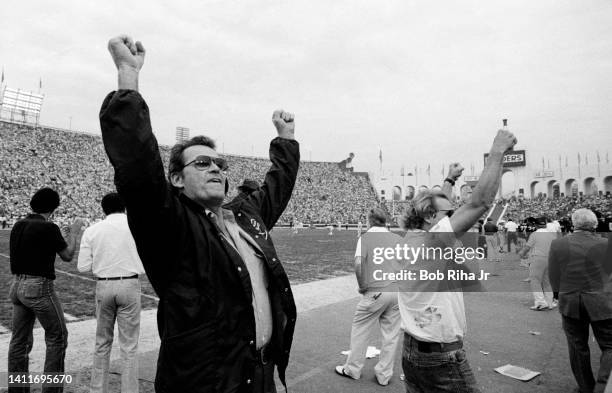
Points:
x=108 y=250
x=379 y=304
x=539 y=245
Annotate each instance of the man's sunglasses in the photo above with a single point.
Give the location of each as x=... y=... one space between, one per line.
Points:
x=202 y=163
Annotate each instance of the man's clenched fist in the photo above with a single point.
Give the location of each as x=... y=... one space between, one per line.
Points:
x=126 y=53
x=454 y=171
x=283 y=121
x=504 y=141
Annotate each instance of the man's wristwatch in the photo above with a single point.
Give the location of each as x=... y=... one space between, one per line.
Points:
x=451 y=181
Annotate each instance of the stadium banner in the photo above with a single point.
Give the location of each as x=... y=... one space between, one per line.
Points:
x=512 y=158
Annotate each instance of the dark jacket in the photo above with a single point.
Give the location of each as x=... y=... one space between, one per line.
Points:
x=580 y=272
x=205 y=316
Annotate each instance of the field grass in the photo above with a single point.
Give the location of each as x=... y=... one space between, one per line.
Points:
x=308 y=256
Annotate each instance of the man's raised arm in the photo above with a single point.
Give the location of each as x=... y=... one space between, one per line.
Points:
x=126 y=131
x=133 y=151
x=454 y=172
x=273 y=196
x=487 y=186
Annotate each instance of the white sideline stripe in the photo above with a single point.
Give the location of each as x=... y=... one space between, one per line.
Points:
x=88 y=279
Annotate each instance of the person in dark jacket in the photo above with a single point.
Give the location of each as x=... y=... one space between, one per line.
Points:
x=226 y=313
x=580 y=271
x=246 y=188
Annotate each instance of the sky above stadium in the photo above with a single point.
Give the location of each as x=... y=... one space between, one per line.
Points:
x=426 y=82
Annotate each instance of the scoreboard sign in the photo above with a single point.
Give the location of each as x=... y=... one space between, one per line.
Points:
x=511 y=158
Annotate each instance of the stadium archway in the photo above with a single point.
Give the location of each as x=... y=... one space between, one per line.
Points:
x=508 y=184
x=608 y=184
x=422 y=188
x=396 y=193
x=553 y=189
x=571 y=187
x=409 y=193
x=465 y=192
x=532 y=188
x=590 y=188
x=436 y=187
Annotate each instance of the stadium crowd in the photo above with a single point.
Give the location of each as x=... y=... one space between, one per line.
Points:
x=76 y=165
x=559 y=208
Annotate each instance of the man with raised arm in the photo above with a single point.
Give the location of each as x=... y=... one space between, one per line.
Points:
x=433 y=313
x=226 y=312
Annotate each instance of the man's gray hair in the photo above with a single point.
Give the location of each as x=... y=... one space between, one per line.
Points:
x=584 y=219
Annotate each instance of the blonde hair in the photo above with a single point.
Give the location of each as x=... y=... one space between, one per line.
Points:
x=423 y=206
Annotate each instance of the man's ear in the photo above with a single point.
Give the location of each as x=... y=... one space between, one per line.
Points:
x=176 y=179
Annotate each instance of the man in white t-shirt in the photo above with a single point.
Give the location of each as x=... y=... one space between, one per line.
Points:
x=512 y=235
x=538 y=246
x=434 y=322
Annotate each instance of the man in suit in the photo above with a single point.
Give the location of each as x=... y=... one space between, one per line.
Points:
x=580 y=273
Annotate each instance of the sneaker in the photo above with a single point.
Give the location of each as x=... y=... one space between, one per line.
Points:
x=527 y=279
x=382 y=383
x=539 y=307
x=340 y=371
x=554 y=304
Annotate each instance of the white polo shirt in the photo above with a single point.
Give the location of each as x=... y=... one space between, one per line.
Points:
x=108 y=249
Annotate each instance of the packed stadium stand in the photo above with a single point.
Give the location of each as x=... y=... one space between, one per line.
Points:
x=558 y=207
x=76 y=165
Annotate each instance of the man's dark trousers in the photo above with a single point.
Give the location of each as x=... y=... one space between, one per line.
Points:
x=577 y=332
x=512 y=238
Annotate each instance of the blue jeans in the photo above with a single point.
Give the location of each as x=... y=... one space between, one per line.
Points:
x=433 y=372
x=34 y=298
x=120 y=300
x=577 y=332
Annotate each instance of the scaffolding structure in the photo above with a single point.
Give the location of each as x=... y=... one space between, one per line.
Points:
x=20 y=106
